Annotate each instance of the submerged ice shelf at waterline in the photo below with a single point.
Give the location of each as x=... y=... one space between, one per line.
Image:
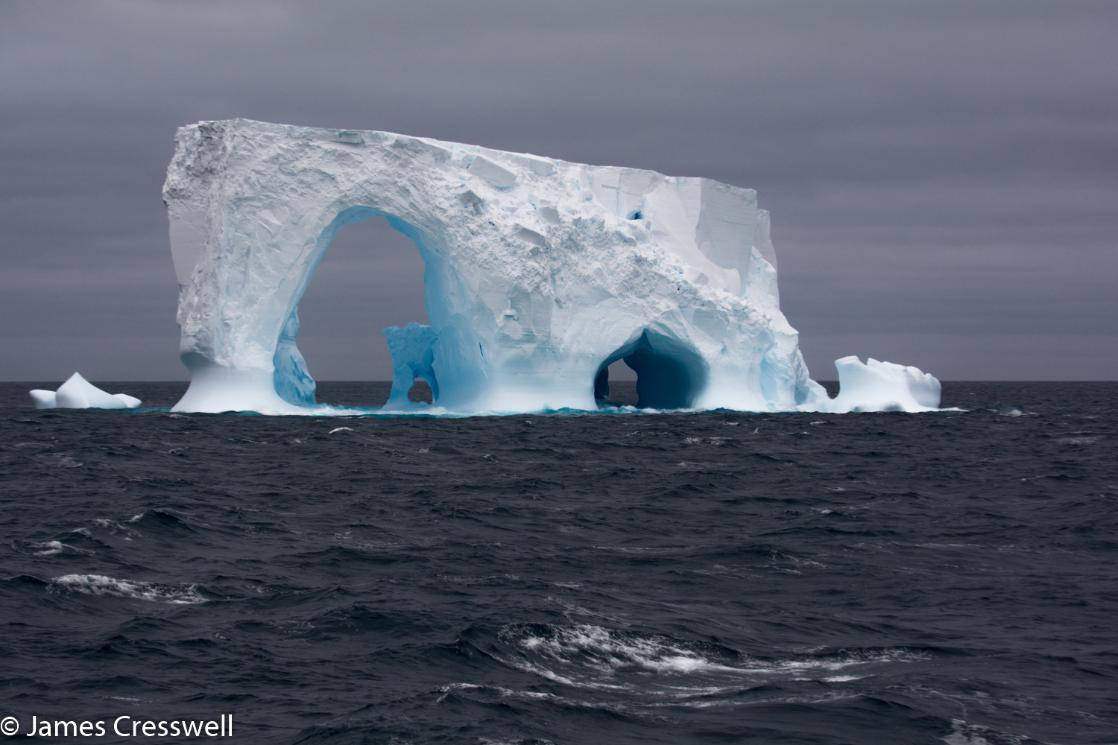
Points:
x=538 y=274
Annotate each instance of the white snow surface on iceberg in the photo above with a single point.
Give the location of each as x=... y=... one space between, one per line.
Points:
x=882 y=386
x=79 y=393
x=538 y=274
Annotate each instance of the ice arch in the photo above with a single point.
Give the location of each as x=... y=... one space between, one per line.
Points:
x=670 y=375
x=293 y=383
x=536 y=270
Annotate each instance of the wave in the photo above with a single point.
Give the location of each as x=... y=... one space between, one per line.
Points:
x=604 y=649
x=101 y=585
x=967 y=733
x=591 y=656
x=51 y=548
x=48 y=548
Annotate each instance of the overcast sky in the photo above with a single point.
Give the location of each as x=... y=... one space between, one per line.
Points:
x=942 y=176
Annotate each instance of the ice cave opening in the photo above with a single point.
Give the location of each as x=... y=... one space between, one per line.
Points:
x=670 y=374
x=421 y=392
x=368 y=276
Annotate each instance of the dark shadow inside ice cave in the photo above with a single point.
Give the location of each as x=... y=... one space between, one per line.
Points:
x=421 y=391
x=670 y=374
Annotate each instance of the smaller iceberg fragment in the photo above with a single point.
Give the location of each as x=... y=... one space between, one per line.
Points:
x=882 y=386
x=79 y=393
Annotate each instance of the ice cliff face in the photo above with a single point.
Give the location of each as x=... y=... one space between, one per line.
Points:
x=538 y=273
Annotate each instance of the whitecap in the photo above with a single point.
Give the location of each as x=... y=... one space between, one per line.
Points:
x=54 y=548
x=589 y=656
x=117 y=529
x=1079 y=440
x=964 y=733
x=841 y=661
x=608 y=651
x=101 y=585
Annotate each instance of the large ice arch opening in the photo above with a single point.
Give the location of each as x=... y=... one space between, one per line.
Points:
x=670 y=374
x=411 y=346
x=366 y=271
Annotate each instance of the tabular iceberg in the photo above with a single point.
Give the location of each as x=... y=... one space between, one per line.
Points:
x=538 y=274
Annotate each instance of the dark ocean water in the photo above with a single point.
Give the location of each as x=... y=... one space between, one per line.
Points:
x=690 y=578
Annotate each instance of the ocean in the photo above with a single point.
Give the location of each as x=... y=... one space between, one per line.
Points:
x=602 y=579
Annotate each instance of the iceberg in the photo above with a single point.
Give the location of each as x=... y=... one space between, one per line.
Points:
x=882 y=386
x=79 y=393
x=538 y=274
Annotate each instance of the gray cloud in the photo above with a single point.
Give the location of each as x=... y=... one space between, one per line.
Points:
x=942 y=176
